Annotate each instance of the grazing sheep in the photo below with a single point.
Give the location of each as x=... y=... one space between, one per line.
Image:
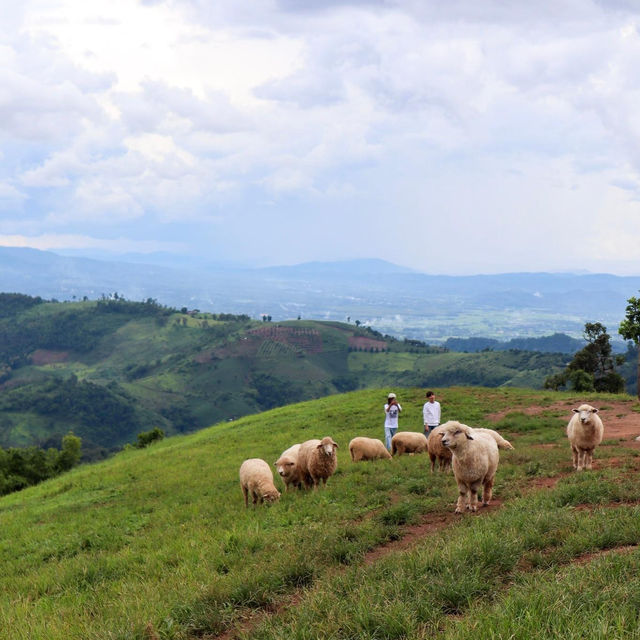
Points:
x=317 y=460
x=475 y=460
x=288 y=469
x=585 y=430
x=437 y=451
x=256 y=479
x=408 y=442
x=362 y=448
x=500 y=441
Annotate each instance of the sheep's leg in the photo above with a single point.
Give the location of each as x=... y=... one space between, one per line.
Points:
x=433 y=462
x=588 y=459
x=254 y=497
x=473 y=503
x=581 y=459
x=245 y=493
x=487 y=491
x=463 y=498
x=574 y=456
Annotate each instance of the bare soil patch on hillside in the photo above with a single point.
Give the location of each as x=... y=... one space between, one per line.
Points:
x=45 y=356
x=620 y=421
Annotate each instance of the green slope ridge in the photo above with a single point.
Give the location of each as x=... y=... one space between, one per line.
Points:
x=161 y=535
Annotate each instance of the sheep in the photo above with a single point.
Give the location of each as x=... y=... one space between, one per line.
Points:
x=256 y=479
x=437 y=451
x=362 y=448
x=288 y=469
x=408 y=442
x=500 y=441
x=317 y=460
x=585 y=431
x=475 y=460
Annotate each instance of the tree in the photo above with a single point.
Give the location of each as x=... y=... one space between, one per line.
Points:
x=593 y=367
x=630 y=328
x=70 y=453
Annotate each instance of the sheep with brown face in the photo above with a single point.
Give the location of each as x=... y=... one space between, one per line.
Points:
x=288 y=469
x=256 y=480
x=474 y=460
x=318 y=460
x=437 y=451
x=585 y=431
x=362 y=448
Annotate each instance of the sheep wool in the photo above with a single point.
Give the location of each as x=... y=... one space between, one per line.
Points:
x=256 y=480
x=585 y=431
x=288 y=469
x=475 y=461
x=408 y=442
x=362 y=448
x=318 y=460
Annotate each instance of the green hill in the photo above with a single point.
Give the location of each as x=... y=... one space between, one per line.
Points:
x=156 y=543
x=109 y=369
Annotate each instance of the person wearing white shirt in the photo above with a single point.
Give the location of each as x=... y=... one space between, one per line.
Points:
x=391 y=412
x=431 y=413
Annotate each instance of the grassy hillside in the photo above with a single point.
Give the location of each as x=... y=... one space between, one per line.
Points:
x=156 y=543
x=110 y=369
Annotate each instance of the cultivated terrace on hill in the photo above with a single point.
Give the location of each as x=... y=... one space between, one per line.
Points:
x=156 y=543
x=112 y=368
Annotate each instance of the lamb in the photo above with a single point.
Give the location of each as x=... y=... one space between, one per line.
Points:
x=437 y=451
x=362 y=448
x=408 y=442
x=318 y=460
x=288 y=469
x=256 y=479
x=475 y=460
x=585 y=431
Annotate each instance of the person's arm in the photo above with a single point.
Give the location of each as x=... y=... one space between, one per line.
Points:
x=386 y=408
x=439 y=412
x=424 y=414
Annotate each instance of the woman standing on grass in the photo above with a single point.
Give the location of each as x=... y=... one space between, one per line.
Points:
x=391 y=412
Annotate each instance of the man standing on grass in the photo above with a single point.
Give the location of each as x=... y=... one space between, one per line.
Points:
x=431 y=413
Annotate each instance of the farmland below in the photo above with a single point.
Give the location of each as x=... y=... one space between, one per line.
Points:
x=171 y=552
x=111 y=368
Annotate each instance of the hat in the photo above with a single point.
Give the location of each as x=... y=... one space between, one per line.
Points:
x=391 y=395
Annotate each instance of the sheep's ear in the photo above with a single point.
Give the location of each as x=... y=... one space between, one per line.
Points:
x=594 y=411
x=469 y=437
x=335 y=444
x=575 y=410
x=319 y=446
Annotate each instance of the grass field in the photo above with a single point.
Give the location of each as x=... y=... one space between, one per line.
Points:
x=156 y=543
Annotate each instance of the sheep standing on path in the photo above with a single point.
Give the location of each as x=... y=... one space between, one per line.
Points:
x=256 y=479
x=585 y=431
x=362 y=448
x=475 y=461
x=408 y=442
x=288 y=469
x=318 y=460
x=437 y=451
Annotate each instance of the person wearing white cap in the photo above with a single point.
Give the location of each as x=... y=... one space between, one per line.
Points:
x=391 y=412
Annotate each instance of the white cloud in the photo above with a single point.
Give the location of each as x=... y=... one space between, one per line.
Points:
x=479 y=122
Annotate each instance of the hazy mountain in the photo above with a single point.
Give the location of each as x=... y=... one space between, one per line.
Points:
x=393 y=299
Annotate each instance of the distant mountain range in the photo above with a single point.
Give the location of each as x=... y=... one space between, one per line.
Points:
x=390 y=298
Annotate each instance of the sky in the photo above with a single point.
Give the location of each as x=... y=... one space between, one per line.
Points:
x=450 y=137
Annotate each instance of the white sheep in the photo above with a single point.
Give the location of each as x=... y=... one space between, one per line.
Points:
x=475 y=460
x=408 y=442
x=256 y=479
x=288 y=469
x=585 y=431
x=318 y=460
x=362 y=448
x=437 y=451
